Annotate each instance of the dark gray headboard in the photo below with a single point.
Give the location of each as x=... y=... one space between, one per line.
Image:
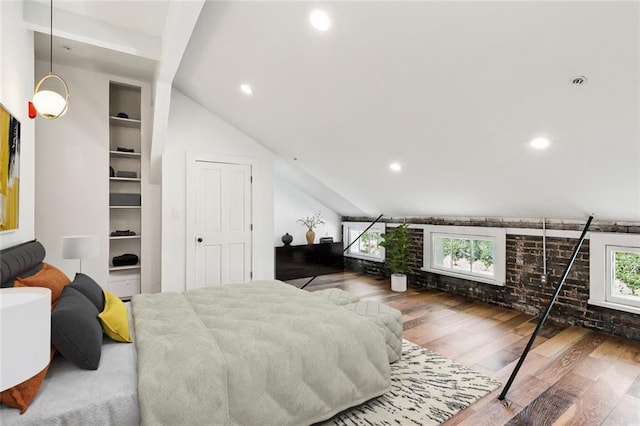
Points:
x=22 y=260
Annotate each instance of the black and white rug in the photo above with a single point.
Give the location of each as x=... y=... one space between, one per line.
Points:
x=426 y=389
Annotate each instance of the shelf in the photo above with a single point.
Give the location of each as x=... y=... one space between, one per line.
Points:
x=125 y=154
x=125 y=147
x=124 y=268
x=121 y=179
x=125 y=122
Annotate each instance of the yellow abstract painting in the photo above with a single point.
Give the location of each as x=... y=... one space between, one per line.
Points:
x=9 y=170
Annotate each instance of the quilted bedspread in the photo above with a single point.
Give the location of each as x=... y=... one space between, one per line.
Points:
x=260 y=353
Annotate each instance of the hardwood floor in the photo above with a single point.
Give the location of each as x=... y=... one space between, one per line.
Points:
x=572 y=376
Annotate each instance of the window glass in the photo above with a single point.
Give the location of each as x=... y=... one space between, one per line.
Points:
x=463 y=255
x=475 y=254
x=483 y=257
x=442 y=251
x=626 y=274
x=368 y=245
x=614 y=271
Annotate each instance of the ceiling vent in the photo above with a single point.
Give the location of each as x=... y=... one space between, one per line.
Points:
x=579 y=81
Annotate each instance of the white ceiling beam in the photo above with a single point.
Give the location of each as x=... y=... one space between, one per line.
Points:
x=181 y=21
x=90 y=31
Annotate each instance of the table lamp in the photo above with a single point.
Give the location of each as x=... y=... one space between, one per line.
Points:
x=79 y=247
x=25 y=333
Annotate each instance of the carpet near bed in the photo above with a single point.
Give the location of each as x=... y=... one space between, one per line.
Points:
x=426 y=389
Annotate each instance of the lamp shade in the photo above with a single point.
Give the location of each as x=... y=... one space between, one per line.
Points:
x=25 y=333
x=80 y=247
x=49 y=103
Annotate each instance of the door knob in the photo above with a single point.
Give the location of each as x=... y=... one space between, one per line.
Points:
x=199 y=239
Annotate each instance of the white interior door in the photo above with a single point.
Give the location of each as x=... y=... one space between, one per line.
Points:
x=222 y=224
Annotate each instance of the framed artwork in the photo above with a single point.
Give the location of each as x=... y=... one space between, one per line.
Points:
x=9 y=170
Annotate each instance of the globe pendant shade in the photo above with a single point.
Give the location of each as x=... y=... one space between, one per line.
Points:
x=51 y=104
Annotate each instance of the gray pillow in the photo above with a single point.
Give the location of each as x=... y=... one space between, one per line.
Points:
x=76 y=331
x=90 y=289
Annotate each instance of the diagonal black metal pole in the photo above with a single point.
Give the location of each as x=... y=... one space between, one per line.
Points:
x=546 y=312
x=347 y=248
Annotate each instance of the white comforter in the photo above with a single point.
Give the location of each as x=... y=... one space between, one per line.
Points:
x=260 y=353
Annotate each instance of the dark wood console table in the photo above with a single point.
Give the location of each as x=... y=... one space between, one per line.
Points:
x=308 y=260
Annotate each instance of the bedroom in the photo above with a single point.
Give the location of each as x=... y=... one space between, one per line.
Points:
x=62 y=160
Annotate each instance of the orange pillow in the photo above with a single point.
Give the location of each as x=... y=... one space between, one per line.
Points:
x=21 y=395
x=50 y=277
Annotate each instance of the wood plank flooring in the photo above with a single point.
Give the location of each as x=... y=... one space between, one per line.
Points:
x=572 y=376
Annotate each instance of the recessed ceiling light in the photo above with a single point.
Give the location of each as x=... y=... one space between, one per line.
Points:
x=320 y=20
x=539 y=143
x=396 y=167
x=246 y=89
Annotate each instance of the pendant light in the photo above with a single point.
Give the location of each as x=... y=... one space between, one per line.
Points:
x=49 y=103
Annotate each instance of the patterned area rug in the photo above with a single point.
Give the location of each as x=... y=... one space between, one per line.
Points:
x=426 y=389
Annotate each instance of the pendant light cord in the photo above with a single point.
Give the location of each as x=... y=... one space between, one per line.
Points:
x=51 y=37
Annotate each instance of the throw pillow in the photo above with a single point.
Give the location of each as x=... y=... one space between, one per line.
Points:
x=21 y=395
x=75 y=329
x=90 y=289
x=50 y=277
x=115 y=318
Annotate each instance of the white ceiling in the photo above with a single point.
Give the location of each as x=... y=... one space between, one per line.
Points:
x=117 y=37
x=77 y=54
x=147 y=17
x=452 y=90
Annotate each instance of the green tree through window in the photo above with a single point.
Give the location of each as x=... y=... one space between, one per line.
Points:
x=627 y=269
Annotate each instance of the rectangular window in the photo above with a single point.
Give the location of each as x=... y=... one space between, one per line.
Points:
x=624 y=285
x=615 y=271
x=466 y=252
x=368 y=245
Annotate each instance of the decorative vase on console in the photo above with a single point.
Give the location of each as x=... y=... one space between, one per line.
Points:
x=286 y=239
x=311 y=222
x=311 y=236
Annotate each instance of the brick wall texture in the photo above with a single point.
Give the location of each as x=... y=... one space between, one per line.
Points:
x=524 y=290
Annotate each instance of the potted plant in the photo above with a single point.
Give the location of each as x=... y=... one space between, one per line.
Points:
x=396 y=244
x=311 y=222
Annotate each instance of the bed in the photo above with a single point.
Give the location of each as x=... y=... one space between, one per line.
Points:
x=255 y=353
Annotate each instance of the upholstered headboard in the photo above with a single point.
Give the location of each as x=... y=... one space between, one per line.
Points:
x=22 y=260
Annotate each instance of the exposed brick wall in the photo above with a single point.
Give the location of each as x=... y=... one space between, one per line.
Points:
x=365 y=266
x=523 y=289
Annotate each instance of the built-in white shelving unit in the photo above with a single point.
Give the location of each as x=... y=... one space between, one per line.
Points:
x=125 y=186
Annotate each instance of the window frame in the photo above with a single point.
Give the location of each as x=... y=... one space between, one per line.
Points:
x=379 y=226
x=497 y=235
x=601 y=246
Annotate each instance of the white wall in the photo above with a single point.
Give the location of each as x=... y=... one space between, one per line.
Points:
x=194 y=129
x=72 y=176
x=292 y=204
x=16 y=89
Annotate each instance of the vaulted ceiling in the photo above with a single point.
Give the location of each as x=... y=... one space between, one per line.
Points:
x=452 y=91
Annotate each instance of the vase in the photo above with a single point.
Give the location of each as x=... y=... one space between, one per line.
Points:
x=311 y=235
x=286 y=239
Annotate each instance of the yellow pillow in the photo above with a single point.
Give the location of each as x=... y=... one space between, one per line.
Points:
x=115 y=318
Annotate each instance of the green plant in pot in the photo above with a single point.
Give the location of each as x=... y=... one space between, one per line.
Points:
x=396 y=244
